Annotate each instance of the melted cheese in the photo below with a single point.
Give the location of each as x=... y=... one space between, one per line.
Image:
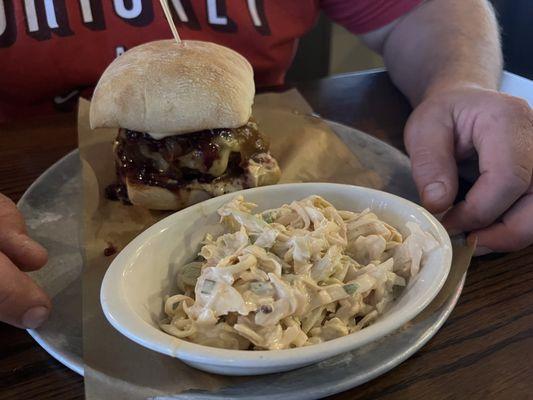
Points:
x=220 y=165
x=160 y=162
x=194 y=159
x=227 y=146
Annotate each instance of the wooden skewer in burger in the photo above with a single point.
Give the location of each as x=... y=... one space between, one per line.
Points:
x=185 y=135
x=170 y=21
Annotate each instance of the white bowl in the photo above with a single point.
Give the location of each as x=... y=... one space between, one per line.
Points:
x=135 y=283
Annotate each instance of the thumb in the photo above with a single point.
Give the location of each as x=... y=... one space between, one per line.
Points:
x=27 y=254
x=22 y=302
x=429 y=140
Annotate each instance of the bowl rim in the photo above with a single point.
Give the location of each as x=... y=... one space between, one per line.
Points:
x=124 y=319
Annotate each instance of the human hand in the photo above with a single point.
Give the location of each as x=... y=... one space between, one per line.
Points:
x=450 y=126
x=22 y=302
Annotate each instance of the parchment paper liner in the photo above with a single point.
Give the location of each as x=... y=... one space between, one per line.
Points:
x=118 y=368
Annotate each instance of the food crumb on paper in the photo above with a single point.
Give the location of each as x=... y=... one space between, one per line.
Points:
x=110 y=250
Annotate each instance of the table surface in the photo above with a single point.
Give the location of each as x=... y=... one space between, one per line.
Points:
x=482 y=351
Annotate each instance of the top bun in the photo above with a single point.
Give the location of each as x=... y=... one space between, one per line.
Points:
x=166 y=88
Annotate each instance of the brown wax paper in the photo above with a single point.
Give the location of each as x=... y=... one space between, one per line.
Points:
x=115 y=367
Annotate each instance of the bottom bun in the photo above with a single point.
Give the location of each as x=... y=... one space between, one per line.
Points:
x=158 y=198
x=264 y=171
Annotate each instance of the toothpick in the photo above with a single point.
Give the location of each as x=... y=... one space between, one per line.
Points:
x=170 y=21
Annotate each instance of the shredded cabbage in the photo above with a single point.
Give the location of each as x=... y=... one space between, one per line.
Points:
x=293 y=276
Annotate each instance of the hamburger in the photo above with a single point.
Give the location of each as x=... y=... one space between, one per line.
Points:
x=185 y=127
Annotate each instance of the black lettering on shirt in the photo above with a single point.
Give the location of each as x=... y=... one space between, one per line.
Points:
x=57 y=10
x=257 y=13
x=45 y=17
x=134 y=12
x=183 y=14
x=92 y=14
x=8 y=29
x=217 y=16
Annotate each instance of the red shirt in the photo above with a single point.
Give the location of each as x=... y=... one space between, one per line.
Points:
x=50 y=51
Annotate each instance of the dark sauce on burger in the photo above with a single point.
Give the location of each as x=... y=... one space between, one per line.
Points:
x=156 y=162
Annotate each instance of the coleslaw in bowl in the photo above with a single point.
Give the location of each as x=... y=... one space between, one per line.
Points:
x=145 y=271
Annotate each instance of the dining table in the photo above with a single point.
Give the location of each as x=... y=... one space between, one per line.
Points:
x=483 y=350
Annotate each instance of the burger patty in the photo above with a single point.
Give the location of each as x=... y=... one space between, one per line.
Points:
x=176 y=160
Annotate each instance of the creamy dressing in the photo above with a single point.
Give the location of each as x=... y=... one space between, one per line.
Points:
x=159 y=136
x=294 y=276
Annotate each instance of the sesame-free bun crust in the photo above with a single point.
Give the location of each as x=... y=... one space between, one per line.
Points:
x=262 y=173
x=169 y=88
x=158 y=198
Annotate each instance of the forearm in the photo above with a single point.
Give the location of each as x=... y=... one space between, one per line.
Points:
x=443 y=44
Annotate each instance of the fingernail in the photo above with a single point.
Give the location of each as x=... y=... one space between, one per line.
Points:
x=434 y=192
x=35 y=316
x=481 y=251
